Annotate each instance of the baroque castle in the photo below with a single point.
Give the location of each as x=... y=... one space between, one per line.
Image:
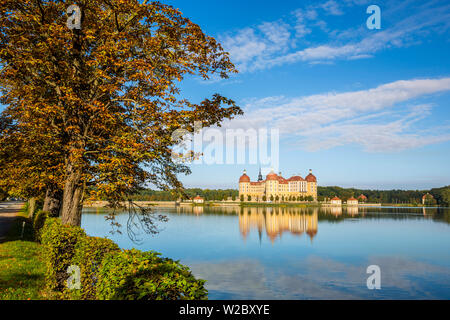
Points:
x=277 y=188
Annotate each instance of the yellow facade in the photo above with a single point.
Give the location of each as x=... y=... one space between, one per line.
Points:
x=277 y=188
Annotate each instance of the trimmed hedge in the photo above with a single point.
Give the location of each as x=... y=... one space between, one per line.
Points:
x=136 y=275
x=59 y=241
x=108 y=272
x=38 y=223
x=89 y=253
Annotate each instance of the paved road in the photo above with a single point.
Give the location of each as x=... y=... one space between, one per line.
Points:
x=8 y=212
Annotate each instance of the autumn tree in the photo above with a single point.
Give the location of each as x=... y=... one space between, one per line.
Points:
x=30 y=167
x=104 y=97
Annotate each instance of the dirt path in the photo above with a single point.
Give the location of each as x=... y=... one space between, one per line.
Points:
x=8 y=212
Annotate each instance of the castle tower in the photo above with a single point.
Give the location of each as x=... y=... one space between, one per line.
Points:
x=260 y=178
x=312 y=185
x=244 y=185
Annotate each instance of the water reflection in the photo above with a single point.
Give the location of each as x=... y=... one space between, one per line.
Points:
x=275 y=221
x=197 y=210
x=317 y=277
x=299 y=221
x=323 y=254
x=335 y=211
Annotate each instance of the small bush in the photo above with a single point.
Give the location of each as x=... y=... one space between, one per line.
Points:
x=38 y=223
x=59 y=241
x=89 y=253
x=136 y=275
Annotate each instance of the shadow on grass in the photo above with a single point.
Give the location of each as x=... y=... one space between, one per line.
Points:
x=21 y=279
x=21 y=228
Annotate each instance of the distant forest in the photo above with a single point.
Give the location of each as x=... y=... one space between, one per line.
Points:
x=207 y=194
x=441 y=195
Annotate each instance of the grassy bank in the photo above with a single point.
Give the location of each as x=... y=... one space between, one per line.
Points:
x=38 y=271
x=412 y=205
x=22 y=269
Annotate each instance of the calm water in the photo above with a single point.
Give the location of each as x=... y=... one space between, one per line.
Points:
x=299 y=253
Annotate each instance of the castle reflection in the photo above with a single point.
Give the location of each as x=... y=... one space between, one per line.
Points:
x=350 y=211
x=197 y=210
x=275 y=221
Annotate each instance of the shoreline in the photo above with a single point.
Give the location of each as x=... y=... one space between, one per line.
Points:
x=103 y=204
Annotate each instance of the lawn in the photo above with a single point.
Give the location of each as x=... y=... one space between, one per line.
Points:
x=21 y=271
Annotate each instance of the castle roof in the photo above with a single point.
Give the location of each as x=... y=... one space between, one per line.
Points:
x=311 y=178
x=296 y=178
x=335 y=198
x=244 y=178
x=352 y=199
x=272 y=176
x=282 y=180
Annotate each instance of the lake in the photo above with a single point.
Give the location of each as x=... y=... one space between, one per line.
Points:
x=300 y=253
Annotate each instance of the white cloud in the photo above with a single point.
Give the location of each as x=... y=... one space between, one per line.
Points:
x=277 y=33
x=274 y=43
x=332 y=7
x=311 y=14
x=301 y=28
x=375 y=119
x=250 y=45
x=244 y=46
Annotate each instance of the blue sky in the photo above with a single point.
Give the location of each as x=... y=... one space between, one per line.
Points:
x=363 y=108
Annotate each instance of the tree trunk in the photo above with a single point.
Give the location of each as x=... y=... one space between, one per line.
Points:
x=52 y=201
x=31 y=207
x=72 y=197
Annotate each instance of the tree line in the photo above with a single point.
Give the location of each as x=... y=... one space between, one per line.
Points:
x=441 y=195
x=207 y=194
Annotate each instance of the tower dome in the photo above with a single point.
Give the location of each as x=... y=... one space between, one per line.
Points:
x=296 y=178
x=244 y=177
x=272 y=176
x=310 y=177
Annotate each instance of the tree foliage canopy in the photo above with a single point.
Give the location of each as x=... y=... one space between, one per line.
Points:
x=92 y=110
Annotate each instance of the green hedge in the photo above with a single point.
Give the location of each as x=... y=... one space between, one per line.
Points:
x=137 y=275
x=59 y=241
x=108 y=272
x=38 y=223
x=89 y=253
